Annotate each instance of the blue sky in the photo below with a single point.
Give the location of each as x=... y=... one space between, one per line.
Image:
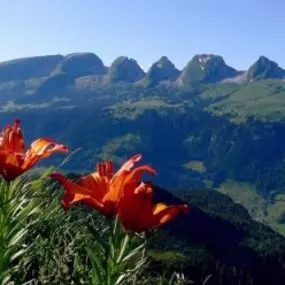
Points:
x=239 y=30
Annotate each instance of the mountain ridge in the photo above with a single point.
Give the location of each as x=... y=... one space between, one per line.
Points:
x=202 y=68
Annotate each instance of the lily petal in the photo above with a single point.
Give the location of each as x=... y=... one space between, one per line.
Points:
x=42 y=148
x=163 y=214
x=98 y=185
x=118 y=180
x=137 y=212
x=11 y=138
x=126 y=175
x=134 y=209
x=75 y=193
x=10 y=165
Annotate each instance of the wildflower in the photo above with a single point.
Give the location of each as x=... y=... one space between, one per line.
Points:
x=102 y=189
x=137 y=212
x=14 y=161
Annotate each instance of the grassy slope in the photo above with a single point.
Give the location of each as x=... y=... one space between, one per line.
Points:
x=262 y=99
x=265 y=100
x=268 y=212
x=195 y=165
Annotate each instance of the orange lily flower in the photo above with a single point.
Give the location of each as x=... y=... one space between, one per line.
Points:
x=14 y=161
x=137 y=212
x=102 y=189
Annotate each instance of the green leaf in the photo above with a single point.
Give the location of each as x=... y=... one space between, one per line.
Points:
x=17 y=237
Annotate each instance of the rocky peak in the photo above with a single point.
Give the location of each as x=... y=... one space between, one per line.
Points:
x=124 y=69
x=204 y=68
x=161 y=70
x=264 y=68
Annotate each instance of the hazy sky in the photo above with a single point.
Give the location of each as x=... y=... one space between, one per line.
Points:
x=239 y=30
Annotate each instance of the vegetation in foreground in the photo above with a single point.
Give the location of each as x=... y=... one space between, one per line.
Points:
x=116 y=251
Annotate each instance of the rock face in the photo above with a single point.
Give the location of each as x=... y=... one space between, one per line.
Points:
x=264 y=68
x=206 y=68
x=80 y=64
x=124 y=69
x=162 y=70
x=31 y=67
